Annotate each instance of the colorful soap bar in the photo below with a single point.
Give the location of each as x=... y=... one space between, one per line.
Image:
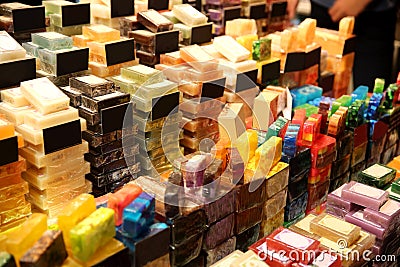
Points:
x=52 y=40
x=247 y=145
x=364 y=195
x=188 y=15
x=44 y=95
x=246 y=198
x=248 y=237
x=235 y=52
x=91 y=85
x=186 y=252
x=248 y=218
x=295 y=208
x=261 y=49
x=14 y=97
x=335 y=199
x=100 y=33
x=304 y=94
x=277 y=179
x=274 y=205
x=250 y=258
x=377 y=175
x=272 y=258
x=303 y=227
x=297 y=185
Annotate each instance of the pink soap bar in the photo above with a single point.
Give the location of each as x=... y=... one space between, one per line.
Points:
x=335 y=199
x=357 y=218
x=388 y=215
x=364 y=195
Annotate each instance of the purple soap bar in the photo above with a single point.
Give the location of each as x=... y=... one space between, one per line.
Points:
x=335 y=199
x=218 y=232
x=388 y=215
x=364 y=195
x=357 y=218
x=221 y=207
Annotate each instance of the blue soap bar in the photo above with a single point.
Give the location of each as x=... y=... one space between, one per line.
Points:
x=360 y=93
x=303 y=94
x=290 y=141
x=373 y=105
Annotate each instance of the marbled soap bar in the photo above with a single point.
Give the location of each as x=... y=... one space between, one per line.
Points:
x=186 y=252
x=246 y=198
x=277 y=179
x=91 y=233
x=275 y=204
x=19 y=242
x=230 y=48
x=98 y=103
x=49 y=248
x=91 y=85
x=12 y=203
x=52 y=40
x=377 y=175
x=100 y=33
x=248 y=218
x=10 y=49
x=188 y=15
x=364 y=195
x=80 y=41
x=295 y=208
x=219 y=252
x=220 y=208
x=14 y=97
x=187 y=226
x=74 y=96
x=44 y=95
x=13 y=190
x=154 y=21
x=219 y=232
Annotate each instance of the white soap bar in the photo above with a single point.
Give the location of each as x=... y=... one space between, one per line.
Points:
x=231 y=122
x=9 y=48
x=189 y=15
x=230 y=48
x=262 y=116
x=100 y=11
x=14 y=97
x=13 y=114
x=44 y=95
x=196 y=57
x=38 y=121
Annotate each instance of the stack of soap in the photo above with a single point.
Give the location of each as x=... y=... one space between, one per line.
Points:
x=128 y=24
x=111 y=147
x=60 y=12
x=220 y=12
x=54 y=51
x=341 y=165
x=13 y=20
x=14 y=207
x=191 y=23
x=56 y=167
x=157 y=116
x=109 y=13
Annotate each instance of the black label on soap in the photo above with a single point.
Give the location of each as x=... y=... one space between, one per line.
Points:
x=30 y=2
x=62 y=136
x=9 y=150
x=213 y=89
x=152 y=247
x=326 y=82
x=201 y=34
x=231 y=13
x=257 y=11
x=194 y=3
x=115 y=118
x=278 y=9
x=270 y=72
x=312 y=58
x=295 y=61
x=14 y=72
x=245 y=81
x=72 y=61
x=26 y=19
x=122 y=8
x=119 y=52
x=75 y=14
x=349 y=46
x=158 y=4
x=164 y=105
x=167 y=42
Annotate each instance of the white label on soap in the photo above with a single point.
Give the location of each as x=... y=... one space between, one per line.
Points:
x=377 y=171
x=367 y=191
x=294 y=239
x=390 y=207
x=7 y=43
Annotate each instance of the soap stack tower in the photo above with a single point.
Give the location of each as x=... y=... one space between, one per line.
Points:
x=111 y=147
x=340 y=55
x=108 y=53
x=156 y=114
x=23 y=29
x=53 y=147
x=159 y=38
x=373 y=212
x=54 y=52
x=14 y=208
x=220 y=12
x=108 y=13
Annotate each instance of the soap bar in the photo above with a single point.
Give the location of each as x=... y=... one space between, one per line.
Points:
x=231 y=121
x=91 y=233
x=303 y=227
x=357 y=218
x=248 y=218
x=141 y=74
x=52 y=40
x=196 y=57
x=335 y=199
x=44 y=95
x=224 y=249
x=12 y=191
x=96 y=104
x=295 y=208
x=80 y=41
x=377 y=175
x=261 y=49
x=250 y=258
x=387 y=216
x=184 y=227
x=7 y=129
x=297 y=185
x=240 y=27
x=10 y=49
x=229 y=259
x=50 y=247
x=186 y=252
x=14 y=114
x=265 y=110
x=74 y=96
x=38 y=121
x=91 y=85
x=246 y=198
x=19 y=242
x=154 y=21
x=188 y=15
x=277 y=179
x=274 y=205
x=218 y=232
x=100 y=33
x=230 y=48
x=14 y=97
x=247 y=144
x=364 y=195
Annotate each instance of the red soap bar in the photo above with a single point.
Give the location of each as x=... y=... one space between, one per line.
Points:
x=318 y=120
x=289 y=241
x=270 y=256
x=122 y=198
x=323 y=145
x=309 y=132
x=299 y=118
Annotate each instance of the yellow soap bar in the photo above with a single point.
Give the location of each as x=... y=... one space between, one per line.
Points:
x=247 y=144
x=240 y=27
x=6 y=129
x=268 y=155
x=247 y=41
x=265 y=110
x=75 y=211
x=307 y=32
x=80 y=41
x=38 y=121
x=31 y=230
x=100 y=33
x=44 y=95
x=112 y=247
x=14 y=97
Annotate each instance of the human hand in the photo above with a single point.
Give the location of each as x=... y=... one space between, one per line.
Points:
x=291 y=8
x=343 y=8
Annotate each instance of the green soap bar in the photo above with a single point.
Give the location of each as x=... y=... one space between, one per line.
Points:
x=262 y=49
x=310 y=109
x=91 y=233
x=379 y=85
x=396 y=186
x=55 y=7
x=52 y=40
x=142 y=74
x=7 y=260
x=377 y=175
x=343 y=101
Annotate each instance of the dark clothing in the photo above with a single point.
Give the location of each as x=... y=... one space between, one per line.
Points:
x=374 y=43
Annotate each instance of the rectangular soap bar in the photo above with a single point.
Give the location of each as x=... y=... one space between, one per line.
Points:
x=96 y=104
x=245 y=199
x=7 y=129
x=218 y=232
x=154 y=21
x=13 y=114
x=248 y=218
x=357 y=218
x=188 y=15
x=224 y=249
x=91 y=233
x=120 y=199
x=39 y=121
x=50 y=247
x=141 y=73
x=52 y=40
x=184 y=227
x=388 y=215
x=185 y=253
x=14 y=97
x=196 y=57
x=10 y=48
x=335 y=199
x=91 y=85
x=364 y=195
x=377 y=175
x=44 y=95
x=100 y=33
x=230 y=48
x=335 y=229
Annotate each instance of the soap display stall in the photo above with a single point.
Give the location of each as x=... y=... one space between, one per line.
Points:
x=182 y=133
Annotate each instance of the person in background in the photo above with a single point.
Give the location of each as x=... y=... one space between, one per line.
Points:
x=375 y=26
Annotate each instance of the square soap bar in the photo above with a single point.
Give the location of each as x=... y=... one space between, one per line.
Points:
x=10 y=49
x=52 y=40
x=100 y=33
x=335 y=229
x=364 y=195
x=189 y=15
x=377 y=175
